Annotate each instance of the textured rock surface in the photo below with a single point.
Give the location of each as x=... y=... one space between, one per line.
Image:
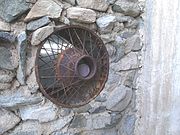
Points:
x=40 y=34
x=130 y=61
x=7 y=120
x=4 y=86
x=34 y=25
x=6 y=76
x=127 y=8
x=95 y=121
x=5 y=59
x=72 y=2
x=7 y=36
x=106 y=23
x=133 y=44
x=42 y=8
x=4 y=26
x=99 y=5
x=22 y=45
x=35 y=128
x=20 y=97
x=81 y=14
x=11 y=9
x=43 y=113
x=119 y=99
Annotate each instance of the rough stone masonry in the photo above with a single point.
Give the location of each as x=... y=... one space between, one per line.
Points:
x=25 y=24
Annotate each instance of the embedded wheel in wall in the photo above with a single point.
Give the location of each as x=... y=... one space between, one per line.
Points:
x=72 y=66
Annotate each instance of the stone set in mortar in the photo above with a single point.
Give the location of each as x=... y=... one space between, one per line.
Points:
x=23 y=108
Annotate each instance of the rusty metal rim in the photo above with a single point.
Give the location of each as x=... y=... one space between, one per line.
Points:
x=57 y=29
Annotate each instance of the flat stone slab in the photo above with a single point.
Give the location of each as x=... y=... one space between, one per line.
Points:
x=5 y=59
x=40 y=34
x=6 y=36
x=12 y=9
x=127 y=8
x=81 y=14
x=106 y=23
x=4 y=26
x=7 y=120
x=34 y=25
x=19 y=97
x=43 y=113
x=44 y=8
x=100 y=5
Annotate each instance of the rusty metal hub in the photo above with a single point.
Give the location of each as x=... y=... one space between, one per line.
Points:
x=72 y=66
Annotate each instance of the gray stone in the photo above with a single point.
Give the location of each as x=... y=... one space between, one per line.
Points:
x=20 y=97
x=98 y=121
x=79 y=121
x=119 y=40
x=63 y=133
x=111 y=1
x=27 y=128
x=130 y=61
x=42 y=8
x=113 y=79
x=21 y=47
x=81 y=14
x=133 y=44
x=108 y=131
x=6 y=76
x=18 y=27
x=41 y=112
x=120 y=52
x=64 y=112
x=72 y=2
x=4 y=86
x=127 y=8
x=107 y=38
x=12 y=9
x=83 y=108
x=128 y=125
x=127 y=33
x=8 y=120
x=100 y=5
x=133 y=23
x=118 y=27
x=7 y=37
x=92 y=122
x=98 y=110
x=31 y=1
x=34 y=25
x=5 y=59
x=115 y=119
x=56 y=125
x=116 y=96
x=102 y=97
x=91 y=26
x=32 y=82
x=111 y=49
x=40 y=34
x=36 y=128
x=106 y=23
x=4 y=26
x=123 y=19
x=120 y=102
x=129 y=81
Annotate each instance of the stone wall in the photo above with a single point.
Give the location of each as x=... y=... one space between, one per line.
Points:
x=23 y=108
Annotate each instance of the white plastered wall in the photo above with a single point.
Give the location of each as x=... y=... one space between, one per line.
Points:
x=158 y=97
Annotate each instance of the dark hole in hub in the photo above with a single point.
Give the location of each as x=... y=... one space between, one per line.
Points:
x=86 y=67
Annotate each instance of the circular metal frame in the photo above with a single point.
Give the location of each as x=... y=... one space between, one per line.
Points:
x=59 y=88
